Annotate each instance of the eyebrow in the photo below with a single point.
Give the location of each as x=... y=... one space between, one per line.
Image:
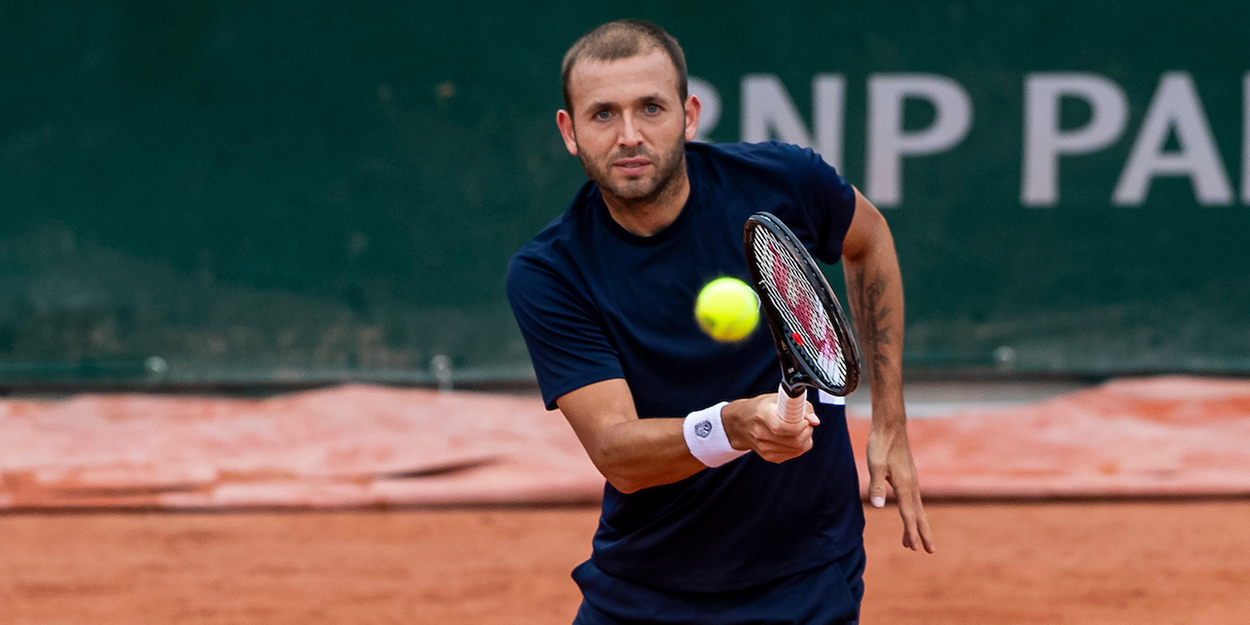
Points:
x=651 y=97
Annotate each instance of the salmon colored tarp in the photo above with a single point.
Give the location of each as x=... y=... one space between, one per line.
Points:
x=1158 y=436
x=376 y=446
x=348 y=446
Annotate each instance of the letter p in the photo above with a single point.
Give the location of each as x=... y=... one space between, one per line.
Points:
x=887 y=143
x=1043 y=139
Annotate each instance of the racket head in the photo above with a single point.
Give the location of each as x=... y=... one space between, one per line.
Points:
x=814 y=340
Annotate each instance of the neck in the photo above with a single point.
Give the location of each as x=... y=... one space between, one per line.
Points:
x=647 y=216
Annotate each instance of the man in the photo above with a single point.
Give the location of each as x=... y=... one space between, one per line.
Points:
x=768 y=527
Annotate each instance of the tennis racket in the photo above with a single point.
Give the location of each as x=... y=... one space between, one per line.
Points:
x=814 y=340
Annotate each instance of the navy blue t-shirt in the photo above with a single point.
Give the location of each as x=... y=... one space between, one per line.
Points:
x=596 y=302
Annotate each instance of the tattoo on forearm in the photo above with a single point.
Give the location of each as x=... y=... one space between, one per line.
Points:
x=867 y=299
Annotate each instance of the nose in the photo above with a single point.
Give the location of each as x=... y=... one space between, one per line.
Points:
x=629 y=132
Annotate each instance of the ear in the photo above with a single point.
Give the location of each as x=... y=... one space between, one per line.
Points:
x=567 y=131
x=693 y=108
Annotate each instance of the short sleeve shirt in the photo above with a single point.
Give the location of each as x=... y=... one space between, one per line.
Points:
x=595 y=302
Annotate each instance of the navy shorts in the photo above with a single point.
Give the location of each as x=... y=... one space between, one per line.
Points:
x=824 y=595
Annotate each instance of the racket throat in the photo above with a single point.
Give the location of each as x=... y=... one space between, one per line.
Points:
x=793 y=389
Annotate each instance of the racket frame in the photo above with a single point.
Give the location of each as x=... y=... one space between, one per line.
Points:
x=797 y=374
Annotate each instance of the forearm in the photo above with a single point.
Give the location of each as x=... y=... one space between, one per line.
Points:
x=642 y=453
x=874 y=289
x=875 y=292
x=633 y=453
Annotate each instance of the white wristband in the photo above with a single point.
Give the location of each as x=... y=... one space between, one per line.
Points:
x=706 y=437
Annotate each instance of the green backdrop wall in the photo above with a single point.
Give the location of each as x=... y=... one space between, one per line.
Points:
x=217 y=191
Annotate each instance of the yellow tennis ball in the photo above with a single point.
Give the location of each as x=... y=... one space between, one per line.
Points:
x=727 y=309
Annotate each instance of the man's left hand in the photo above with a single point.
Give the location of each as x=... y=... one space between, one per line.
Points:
x=890 y=461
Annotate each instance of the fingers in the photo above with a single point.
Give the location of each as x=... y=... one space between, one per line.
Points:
x=779 y=448
x=911 y=535
x=926 y=534
x=916 y=531
x=876 y=483
x=776 y=439
x=878 y=467
x=811 y=414
x=890 y=464
x=923 y=531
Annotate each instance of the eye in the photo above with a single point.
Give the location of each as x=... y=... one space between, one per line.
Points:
x=652 y=109
x=603 y=115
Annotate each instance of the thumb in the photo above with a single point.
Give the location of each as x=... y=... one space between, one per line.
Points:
x=876 y=484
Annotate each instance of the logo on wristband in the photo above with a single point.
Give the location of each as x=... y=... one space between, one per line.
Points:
x=703 y=428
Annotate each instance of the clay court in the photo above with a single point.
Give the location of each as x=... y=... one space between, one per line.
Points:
x=1141 y=562
x=1126 y=502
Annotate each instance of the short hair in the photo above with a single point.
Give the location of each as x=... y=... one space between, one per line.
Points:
x=623 y=39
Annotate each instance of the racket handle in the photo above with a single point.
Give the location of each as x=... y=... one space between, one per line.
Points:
x=790 y=408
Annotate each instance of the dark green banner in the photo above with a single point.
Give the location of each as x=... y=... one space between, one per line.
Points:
x=214 y=191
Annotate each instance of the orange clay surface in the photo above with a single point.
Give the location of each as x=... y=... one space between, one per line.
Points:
x=1086 y=562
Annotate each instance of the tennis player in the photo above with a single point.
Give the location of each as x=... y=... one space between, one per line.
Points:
x=761 y=521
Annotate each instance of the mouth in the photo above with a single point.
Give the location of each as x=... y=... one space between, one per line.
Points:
x=632 y=166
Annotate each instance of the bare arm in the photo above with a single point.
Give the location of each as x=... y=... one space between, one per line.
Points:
x=874 y=288
x=634 y=453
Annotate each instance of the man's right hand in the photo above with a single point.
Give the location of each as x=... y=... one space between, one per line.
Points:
x=753 y=423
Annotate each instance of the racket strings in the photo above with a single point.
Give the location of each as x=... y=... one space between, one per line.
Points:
x=792 y=294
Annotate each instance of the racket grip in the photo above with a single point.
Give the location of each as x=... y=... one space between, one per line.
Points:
x=790 y=408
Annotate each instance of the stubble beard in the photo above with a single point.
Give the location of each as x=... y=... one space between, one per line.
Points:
x=631 y=193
